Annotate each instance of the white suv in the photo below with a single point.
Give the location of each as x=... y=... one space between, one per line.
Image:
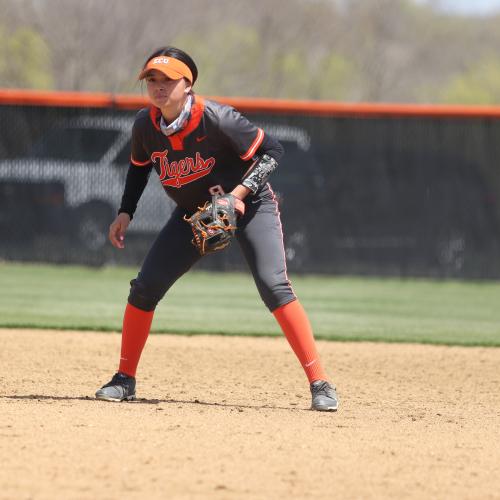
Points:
x=88 y=158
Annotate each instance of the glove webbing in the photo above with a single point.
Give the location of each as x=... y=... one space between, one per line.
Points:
x=215 y=227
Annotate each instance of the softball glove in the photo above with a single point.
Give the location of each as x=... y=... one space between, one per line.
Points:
x=214 y=224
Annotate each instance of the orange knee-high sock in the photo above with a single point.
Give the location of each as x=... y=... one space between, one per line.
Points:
x=136 y=325
x=297 y=329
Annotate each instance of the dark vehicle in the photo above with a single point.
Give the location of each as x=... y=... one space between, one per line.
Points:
x=407 y=214
x=29 y=210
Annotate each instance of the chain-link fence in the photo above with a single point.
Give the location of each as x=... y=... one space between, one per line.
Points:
x=408 y=196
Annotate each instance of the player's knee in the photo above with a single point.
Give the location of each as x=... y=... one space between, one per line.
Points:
x=276 y=294
x=143 y=296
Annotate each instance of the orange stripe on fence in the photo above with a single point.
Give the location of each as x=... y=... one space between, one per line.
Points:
x=252 y=105
x=361 y=110
x=71 y=99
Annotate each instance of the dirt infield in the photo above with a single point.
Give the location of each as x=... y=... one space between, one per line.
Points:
x=228 y=418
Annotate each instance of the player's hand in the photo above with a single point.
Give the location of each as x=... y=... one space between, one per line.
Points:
x=239 y=207
x=118 y=229
x=239 y=193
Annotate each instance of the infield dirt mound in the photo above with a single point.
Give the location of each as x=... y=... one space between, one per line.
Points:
x=228 y=418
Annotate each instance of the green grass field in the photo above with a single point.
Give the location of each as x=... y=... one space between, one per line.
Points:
x=340 y=308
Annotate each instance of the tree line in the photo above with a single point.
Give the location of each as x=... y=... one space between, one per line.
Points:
x=344 y=50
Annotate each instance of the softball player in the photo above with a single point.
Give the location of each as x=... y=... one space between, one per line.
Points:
x=197 y=148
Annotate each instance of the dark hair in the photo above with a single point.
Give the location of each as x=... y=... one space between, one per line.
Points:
x=176 y=54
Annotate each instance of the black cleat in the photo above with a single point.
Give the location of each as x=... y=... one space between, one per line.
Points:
x=120 y=388
x=324 y=396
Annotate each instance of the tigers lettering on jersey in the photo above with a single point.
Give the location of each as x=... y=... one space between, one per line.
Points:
x=181 y=172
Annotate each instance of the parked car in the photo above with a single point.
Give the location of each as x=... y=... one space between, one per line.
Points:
x=87 y=158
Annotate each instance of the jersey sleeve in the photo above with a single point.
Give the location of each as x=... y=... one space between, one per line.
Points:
x=137 y=178
x=139 y=169
x=271 y=147
x=139 y=157
x=244 y=137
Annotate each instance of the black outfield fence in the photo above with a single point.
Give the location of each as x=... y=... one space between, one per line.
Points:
x=363 y=189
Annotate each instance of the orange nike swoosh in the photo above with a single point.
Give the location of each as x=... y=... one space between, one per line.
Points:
x=199 y=139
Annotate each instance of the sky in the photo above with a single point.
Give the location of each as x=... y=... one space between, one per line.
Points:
x=468 y=7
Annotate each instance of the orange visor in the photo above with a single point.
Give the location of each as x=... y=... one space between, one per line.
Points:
x=173 y=68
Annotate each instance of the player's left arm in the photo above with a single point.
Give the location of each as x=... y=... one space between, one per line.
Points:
x=263 y=165
x=253 y=145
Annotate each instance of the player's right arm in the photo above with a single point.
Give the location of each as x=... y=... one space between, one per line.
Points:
x=137 y=177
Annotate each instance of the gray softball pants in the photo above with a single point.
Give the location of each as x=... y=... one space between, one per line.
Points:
x=259 y=235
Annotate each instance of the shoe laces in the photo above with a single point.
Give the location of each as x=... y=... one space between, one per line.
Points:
x=324 y=389
x=118 y=379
